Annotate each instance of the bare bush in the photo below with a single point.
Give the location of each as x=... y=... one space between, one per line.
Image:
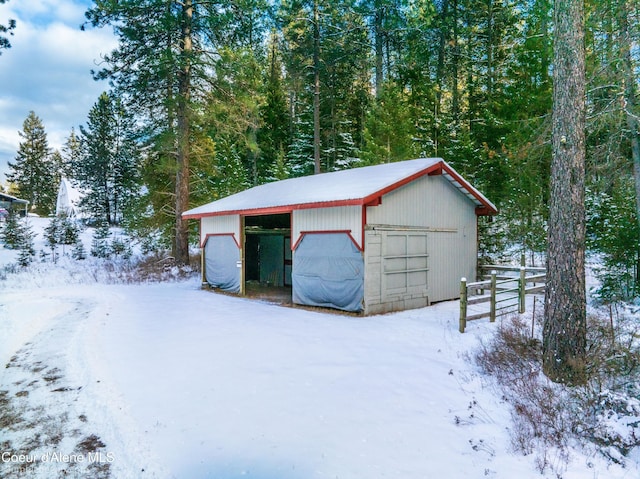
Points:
x=547 y=416
x=538 y=407
x=512 y=355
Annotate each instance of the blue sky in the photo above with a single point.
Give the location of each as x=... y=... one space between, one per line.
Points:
x=47 y=70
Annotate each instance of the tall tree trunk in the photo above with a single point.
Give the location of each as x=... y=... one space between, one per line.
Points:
x=455 y=107
x=630 y=97
x=444 y=35
x=181 y=245
x=564 y=334
x=544 y=29
x=378 y=41
x=490 y=67
x=316 y=88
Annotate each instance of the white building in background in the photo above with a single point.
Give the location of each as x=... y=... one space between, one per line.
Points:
x=68 y=201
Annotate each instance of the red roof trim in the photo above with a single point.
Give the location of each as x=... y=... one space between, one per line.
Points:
x=233 y=235
x=437 y=171
x=373 y=199
x=378 y=194
x=272 y=210
x=486 y=208
x=347 y=232
x=485 y=211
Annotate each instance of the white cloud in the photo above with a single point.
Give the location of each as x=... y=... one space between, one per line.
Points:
x=42 y=11
x=47 y=70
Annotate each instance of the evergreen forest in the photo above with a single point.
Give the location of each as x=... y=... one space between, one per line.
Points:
x=209 y=97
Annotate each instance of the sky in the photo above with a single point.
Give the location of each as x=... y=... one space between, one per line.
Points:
x=48 y=70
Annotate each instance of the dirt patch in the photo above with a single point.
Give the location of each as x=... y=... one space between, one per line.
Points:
x=52 y=375
x=10 y=418
x=90 y=444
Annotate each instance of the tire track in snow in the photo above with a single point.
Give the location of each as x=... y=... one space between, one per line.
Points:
x=45 y=431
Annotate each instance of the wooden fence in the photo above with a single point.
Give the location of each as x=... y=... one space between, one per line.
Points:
x=505 y=291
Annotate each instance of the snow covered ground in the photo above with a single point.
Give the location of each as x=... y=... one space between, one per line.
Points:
x=170 y=381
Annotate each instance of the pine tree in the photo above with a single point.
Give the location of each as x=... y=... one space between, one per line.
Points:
x=61 y=230
x=325 y=52
x=231 y=177
x=127 y=162
x=32 y=171
x=17 y=234
x=345 y=84
x=6 y=29
x=11 y=231
x=299 y=157
x=166 y=50
x=26 y=245
x=52 y=236
x=57 y=164
x=390 y=128
x=275 y=127
x=79 y=252
x=564 y=332
x=71 y=155
x=120 y=247
x=107 y=170
x=232 y=119
x=69 y=232
x=344 y=154
x=279 y=170
x=613 y=232
x=95 y=168
x=100 y=247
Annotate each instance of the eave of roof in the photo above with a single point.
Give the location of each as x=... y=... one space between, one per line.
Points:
x=13 y=199
x=417 y=169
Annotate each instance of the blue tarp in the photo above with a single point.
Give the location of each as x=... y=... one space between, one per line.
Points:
x=221 y=254
x=328 y=271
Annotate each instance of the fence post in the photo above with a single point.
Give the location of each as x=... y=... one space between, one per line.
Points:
x=522 y=288
x=492 y=311
x=463 y=304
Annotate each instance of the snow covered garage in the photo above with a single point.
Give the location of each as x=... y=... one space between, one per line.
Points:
x=374 y=239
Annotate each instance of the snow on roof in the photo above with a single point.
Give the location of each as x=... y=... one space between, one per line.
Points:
x=357 y=186
x=11 y=199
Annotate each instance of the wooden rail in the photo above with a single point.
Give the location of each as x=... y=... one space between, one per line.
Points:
x=506 y=293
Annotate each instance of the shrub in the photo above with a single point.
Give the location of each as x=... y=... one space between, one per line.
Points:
x=78 y=251
x=62 y=230
x=26 y=246
x=100 y=241
x=17 y=234
x=11 y=232
x=548 y=416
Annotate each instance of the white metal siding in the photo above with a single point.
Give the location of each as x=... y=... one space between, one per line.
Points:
x=220 y=225
x=341 y=218
x=453 y=256
x=429 y=201
x=424 y=225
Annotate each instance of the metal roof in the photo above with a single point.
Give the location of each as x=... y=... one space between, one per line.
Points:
x=357 y=186
x=12 y=199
